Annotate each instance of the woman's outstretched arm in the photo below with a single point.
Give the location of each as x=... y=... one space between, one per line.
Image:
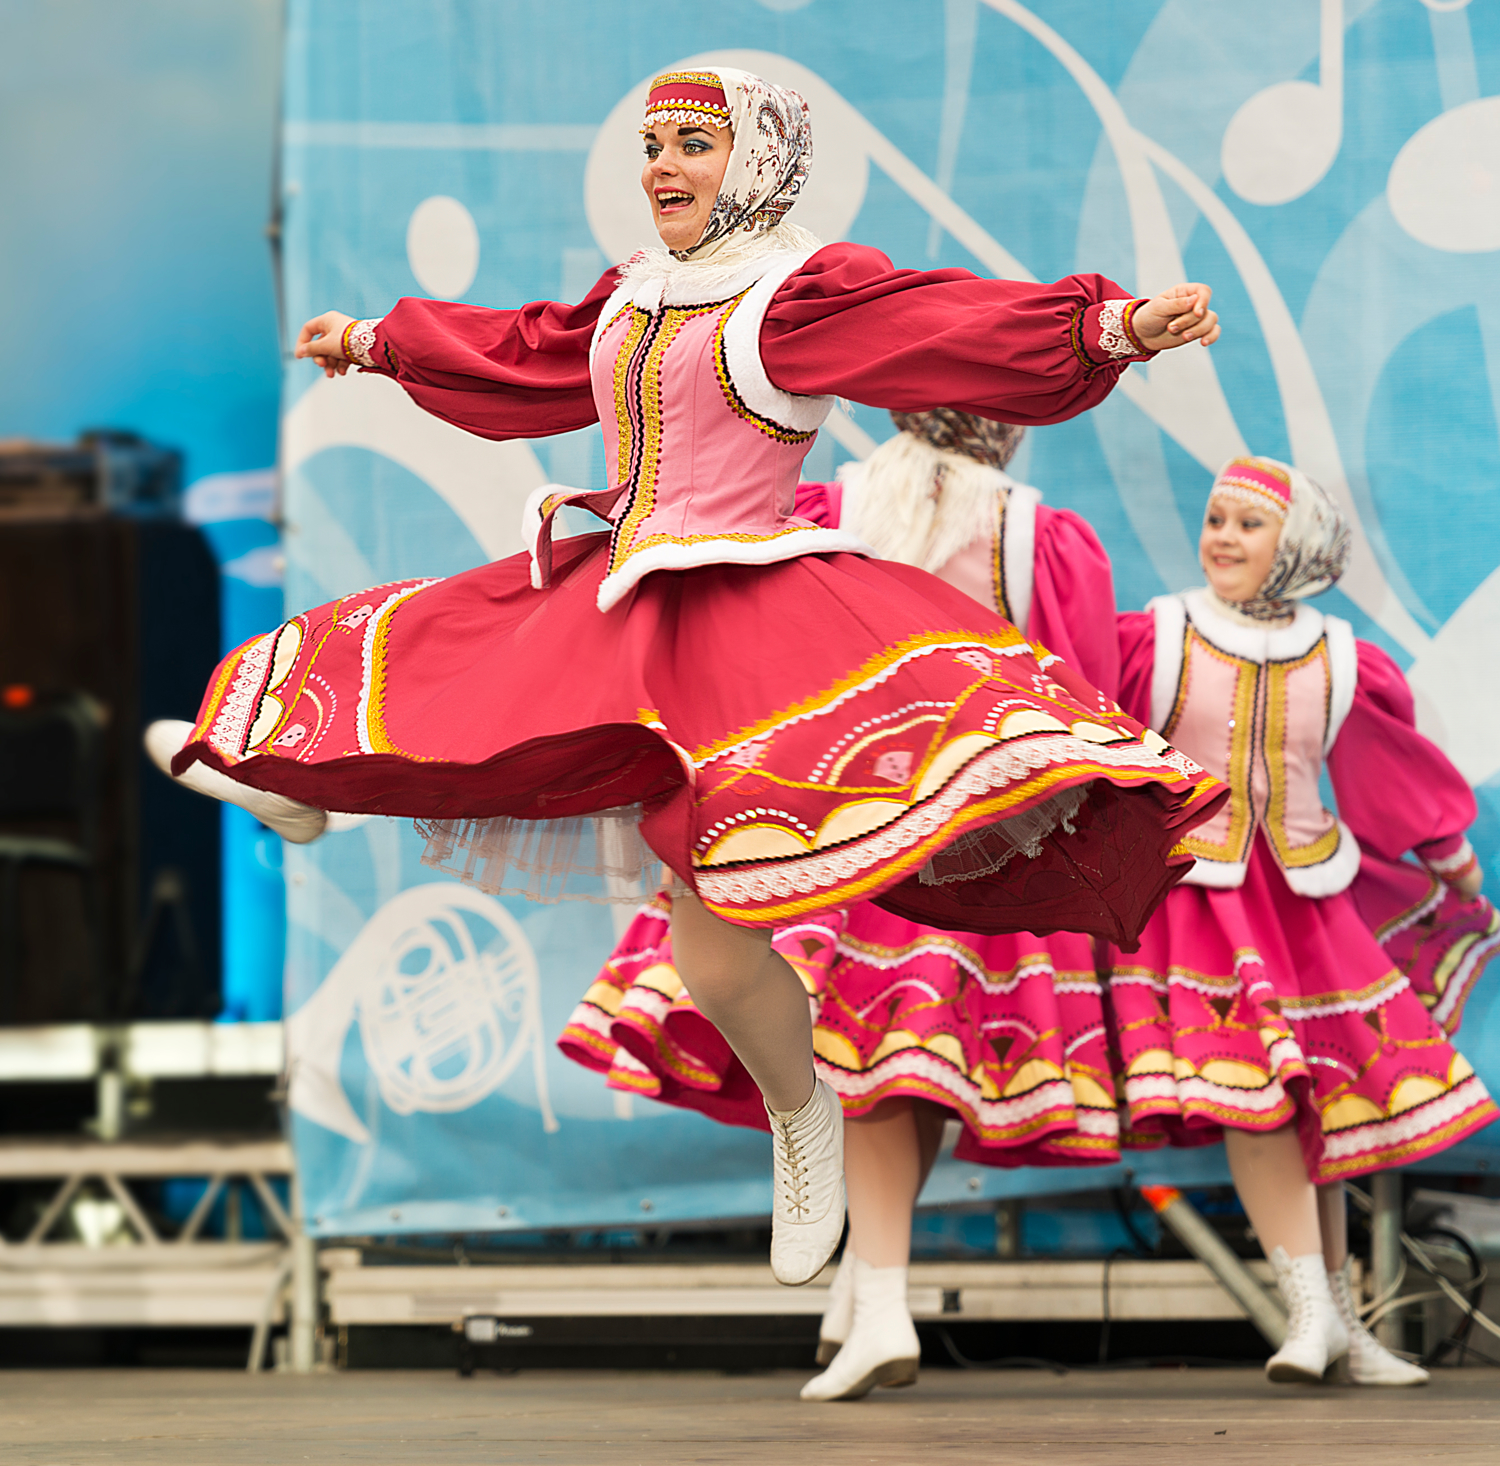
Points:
x=498 y=373
x=850 y=323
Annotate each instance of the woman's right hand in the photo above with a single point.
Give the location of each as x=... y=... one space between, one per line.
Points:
x=322 y=338
x=1470 y=885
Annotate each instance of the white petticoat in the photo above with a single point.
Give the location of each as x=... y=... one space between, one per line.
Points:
x=599 y=858
x=602 y=858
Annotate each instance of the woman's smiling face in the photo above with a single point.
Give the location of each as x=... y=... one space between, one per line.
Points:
x=1237 y=547
x=684 y=168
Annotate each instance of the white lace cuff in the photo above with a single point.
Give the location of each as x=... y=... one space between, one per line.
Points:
x=1116 y=338
x=1452 y=867
x=359 y=341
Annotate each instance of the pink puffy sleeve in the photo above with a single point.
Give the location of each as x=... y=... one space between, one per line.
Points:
x=1073 y=598
x=850 y=323
x=1397 y=790
x=823 y=504
x=1136 y=631
x=501 y=374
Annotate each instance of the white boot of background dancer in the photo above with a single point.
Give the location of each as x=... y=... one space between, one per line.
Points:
x=882 y=1347
x=1370 y=1362
x=838 y=1317
x=299 y=823
x=807 y=1201
x=1315 y=1336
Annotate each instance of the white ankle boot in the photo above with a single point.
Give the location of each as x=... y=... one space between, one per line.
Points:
x=1370 y=1362
x=1315 y=1336
x=807 y=1201
x=299 y=823
x=882 y=1347
x=838 y=1317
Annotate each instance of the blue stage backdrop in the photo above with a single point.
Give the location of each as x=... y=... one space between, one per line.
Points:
x=1333 y=171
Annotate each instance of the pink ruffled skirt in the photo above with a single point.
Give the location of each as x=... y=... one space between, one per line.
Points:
x=1257 y=1007
x=1006 y=1032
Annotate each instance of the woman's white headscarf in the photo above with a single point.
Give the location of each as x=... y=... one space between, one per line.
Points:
x=772 y=150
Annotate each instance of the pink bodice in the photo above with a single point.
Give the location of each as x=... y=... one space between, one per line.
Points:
x=1259 y=708
x=703 y=453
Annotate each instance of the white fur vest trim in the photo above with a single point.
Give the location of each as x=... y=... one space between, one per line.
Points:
x=1260 y=644
x=1018 y=549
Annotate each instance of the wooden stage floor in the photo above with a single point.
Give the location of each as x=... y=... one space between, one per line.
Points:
x=1226 y=1417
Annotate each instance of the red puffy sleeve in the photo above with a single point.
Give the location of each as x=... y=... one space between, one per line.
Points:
x=823 y=504
x=849 y=323
x=1397 y=790
x=1136 y=631
x=1073 y=598
x=501 y=374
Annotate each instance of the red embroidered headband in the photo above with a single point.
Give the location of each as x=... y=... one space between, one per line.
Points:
x=1256 y=481
x=688 y=98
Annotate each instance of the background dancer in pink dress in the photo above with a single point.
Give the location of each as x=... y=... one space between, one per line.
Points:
x=912 y=1024
x=797 y=725
x=1260 y=1005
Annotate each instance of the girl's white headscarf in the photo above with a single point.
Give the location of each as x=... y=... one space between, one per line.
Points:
x=1312 y=550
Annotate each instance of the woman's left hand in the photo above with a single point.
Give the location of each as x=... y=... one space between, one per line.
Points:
x=1175 y=317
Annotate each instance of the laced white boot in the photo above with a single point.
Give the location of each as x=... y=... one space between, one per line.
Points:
x=882 y=1347
x=299 y=823
x=1315 y=1337
x=838 y=1317
x=807 y=1201
x=1370 y=1362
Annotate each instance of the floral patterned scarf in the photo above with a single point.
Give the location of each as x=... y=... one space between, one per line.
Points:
x=951 y=431
x=1313 y=548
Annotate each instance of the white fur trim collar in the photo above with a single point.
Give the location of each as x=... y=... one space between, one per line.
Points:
x=1258 y=642
x=657 y=279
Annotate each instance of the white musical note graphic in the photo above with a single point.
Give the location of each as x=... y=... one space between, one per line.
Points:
x=1284 y=139
x=1444 y=186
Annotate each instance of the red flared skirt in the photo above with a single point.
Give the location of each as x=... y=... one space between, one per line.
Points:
x=800 y=735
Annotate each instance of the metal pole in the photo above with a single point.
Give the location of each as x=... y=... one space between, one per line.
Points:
x=109 y=1124
x=304 y=1328
x=1178 y=1213
x=1385 y=1251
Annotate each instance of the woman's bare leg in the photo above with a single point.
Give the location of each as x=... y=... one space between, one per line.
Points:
x=755 y=999
x=1271 y=1178
x=751 y=994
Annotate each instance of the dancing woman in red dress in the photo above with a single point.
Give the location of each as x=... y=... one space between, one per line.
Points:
x=790 y=725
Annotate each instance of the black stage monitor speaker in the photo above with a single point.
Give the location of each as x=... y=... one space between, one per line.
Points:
x=109 y=873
